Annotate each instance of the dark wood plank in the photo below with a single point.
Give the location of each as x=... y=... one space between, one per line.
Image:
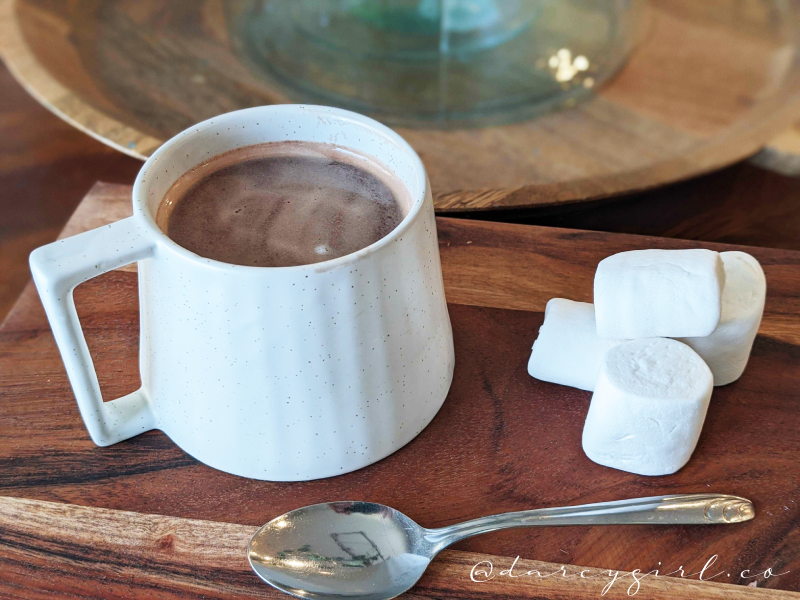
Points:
x=50 y=550
x=500 y=279
x=503 y=441
x=742 y=204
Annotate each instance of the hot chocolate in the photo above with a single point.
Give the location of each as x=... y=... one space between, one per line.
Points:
x=283 y=204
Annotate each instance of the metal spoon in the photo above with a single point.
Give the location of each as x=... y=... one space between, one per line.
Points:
x=366 y=551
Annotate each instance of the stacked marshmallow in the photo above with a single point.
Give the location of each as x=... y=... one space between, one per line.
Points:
x=651 y=393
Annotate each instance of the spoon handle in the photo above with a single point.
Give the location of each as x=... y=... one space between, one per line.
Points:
x=688 y=509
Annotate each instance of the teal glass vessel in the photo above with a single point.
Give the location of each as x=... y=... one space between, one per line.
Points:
x=437 y=62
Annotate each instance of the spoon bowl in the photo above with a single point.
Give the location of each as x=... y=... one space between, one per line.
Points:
x=341 y=550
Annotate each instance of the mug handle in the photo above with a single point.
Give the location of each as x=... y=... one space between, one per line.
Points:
x=57 y=269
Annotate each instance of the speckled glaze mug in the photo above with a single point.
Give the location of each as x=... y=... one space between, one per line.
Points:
x=277 y=373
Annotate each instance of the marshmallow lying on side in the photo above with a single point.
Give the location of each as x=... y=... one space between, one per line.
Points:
x=658 y=293
x=568 y=350
x=648 y=407
x=727 y=349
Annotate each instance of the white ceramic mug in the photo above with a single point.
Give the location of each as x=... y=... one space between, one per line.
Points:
x=278 y=373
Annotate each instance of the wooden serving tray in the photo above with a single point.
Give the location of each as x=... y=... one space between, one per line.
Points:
x=709 y=84
x=503 y=441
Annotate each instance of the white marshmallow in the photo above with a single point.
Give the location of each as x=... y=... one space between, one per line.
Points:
x=568 y=350
x=727 y=349
x=648 y=407
x=658 y=293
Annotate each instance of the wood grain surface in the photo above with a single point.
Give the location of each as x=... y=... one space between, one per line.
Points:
x=502 y=441
x=709 y=84
x=50 y=550
x=46 y=167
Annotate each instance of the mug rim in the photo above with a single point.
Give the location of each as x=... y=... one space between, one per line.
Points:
x=139 y=196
